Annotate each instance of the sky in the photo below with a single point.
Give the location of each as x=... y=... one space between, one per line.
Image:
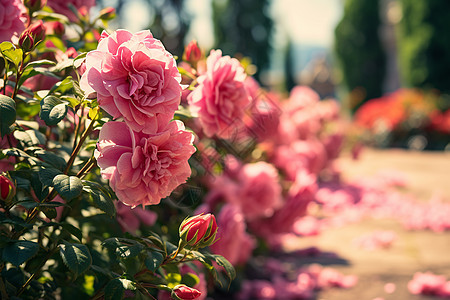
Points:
x=308 y=22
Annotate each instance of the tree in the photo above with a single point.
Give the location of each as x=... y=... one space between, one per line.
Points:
x=359 y=49
x=424 y=44
x=243 y=27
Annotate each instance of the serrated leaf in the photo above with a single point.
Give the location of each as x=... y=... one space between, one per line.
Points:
x=153 y=260
x=19 y=252
x=104 y=202
x=52 y=110
x=114 y=290
x=7 y=114
x=126 y=251
x=73 y=230
x=68 y=187
x=76 y=257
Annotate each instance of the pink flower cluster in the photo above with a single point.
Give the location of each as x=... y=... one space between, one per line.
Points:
x=308 y=281
x=220 y=98
x=13 y=15
x=429 y=284
x=136 y=80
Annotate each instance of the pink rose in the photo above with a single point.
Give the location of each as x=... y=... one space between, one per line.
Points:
x=144 y=168
x=13 y=15
x=201 y=286
x=302 y=154
x=233 y=243
x=259 y=192
x=135 y=79
x=130 y=219
x=62 y=7
x=221 y=97
x=301 y=193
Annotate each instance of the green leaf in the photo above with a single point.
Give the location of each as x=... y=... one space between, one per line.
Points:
x=46 y=175
x=223 y=262
x=127 y=251
x=52 y=110
x=190 y=279
x=50 y=16
x=51 y=158
x=153 y=260
x=7 y=114
x=114 y=290
x=78 y=61
x=173 y=279
x=75 y=256
x=30 y=137
x=38 y=63
x=68 y=187
x=19 y=252
x=49 y=212
x=73 y=230
x=100 y=198
x=11 y=53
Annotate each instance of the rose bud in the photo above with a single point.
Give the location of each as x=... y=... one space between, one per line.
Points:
x=192 y=52
x=32 y=36
x=7 y=188
x=107 y=13
x=183 y=292
x=198 y=231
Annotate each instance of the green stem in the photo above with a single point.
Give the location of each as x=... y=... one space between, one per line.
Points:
x=80 y=144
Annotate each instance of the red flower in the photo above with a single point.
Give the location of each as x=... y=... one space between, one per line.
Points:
x=183 y=292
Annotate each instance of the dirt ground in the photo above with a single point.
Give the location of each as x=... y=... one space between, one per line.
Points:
x=412 y=251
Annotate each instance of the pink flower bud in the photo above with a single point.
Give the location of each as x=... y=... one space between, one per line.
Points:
x=192 y=52
x=26 y=41
x=183 y=292
x=7 y=188
x=32 y=36
x=37 y=29
x=107 y=13
x=199 y=231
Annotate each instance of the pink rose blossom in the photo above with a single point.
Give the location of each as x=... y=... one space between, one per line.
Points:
x=144 y=168
x=300 y=194
x=135 y=79
x=13 y=15
x=62 y=7
x=233 y=243
x=221 y=97
x=427 y=283
x=259 y=192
